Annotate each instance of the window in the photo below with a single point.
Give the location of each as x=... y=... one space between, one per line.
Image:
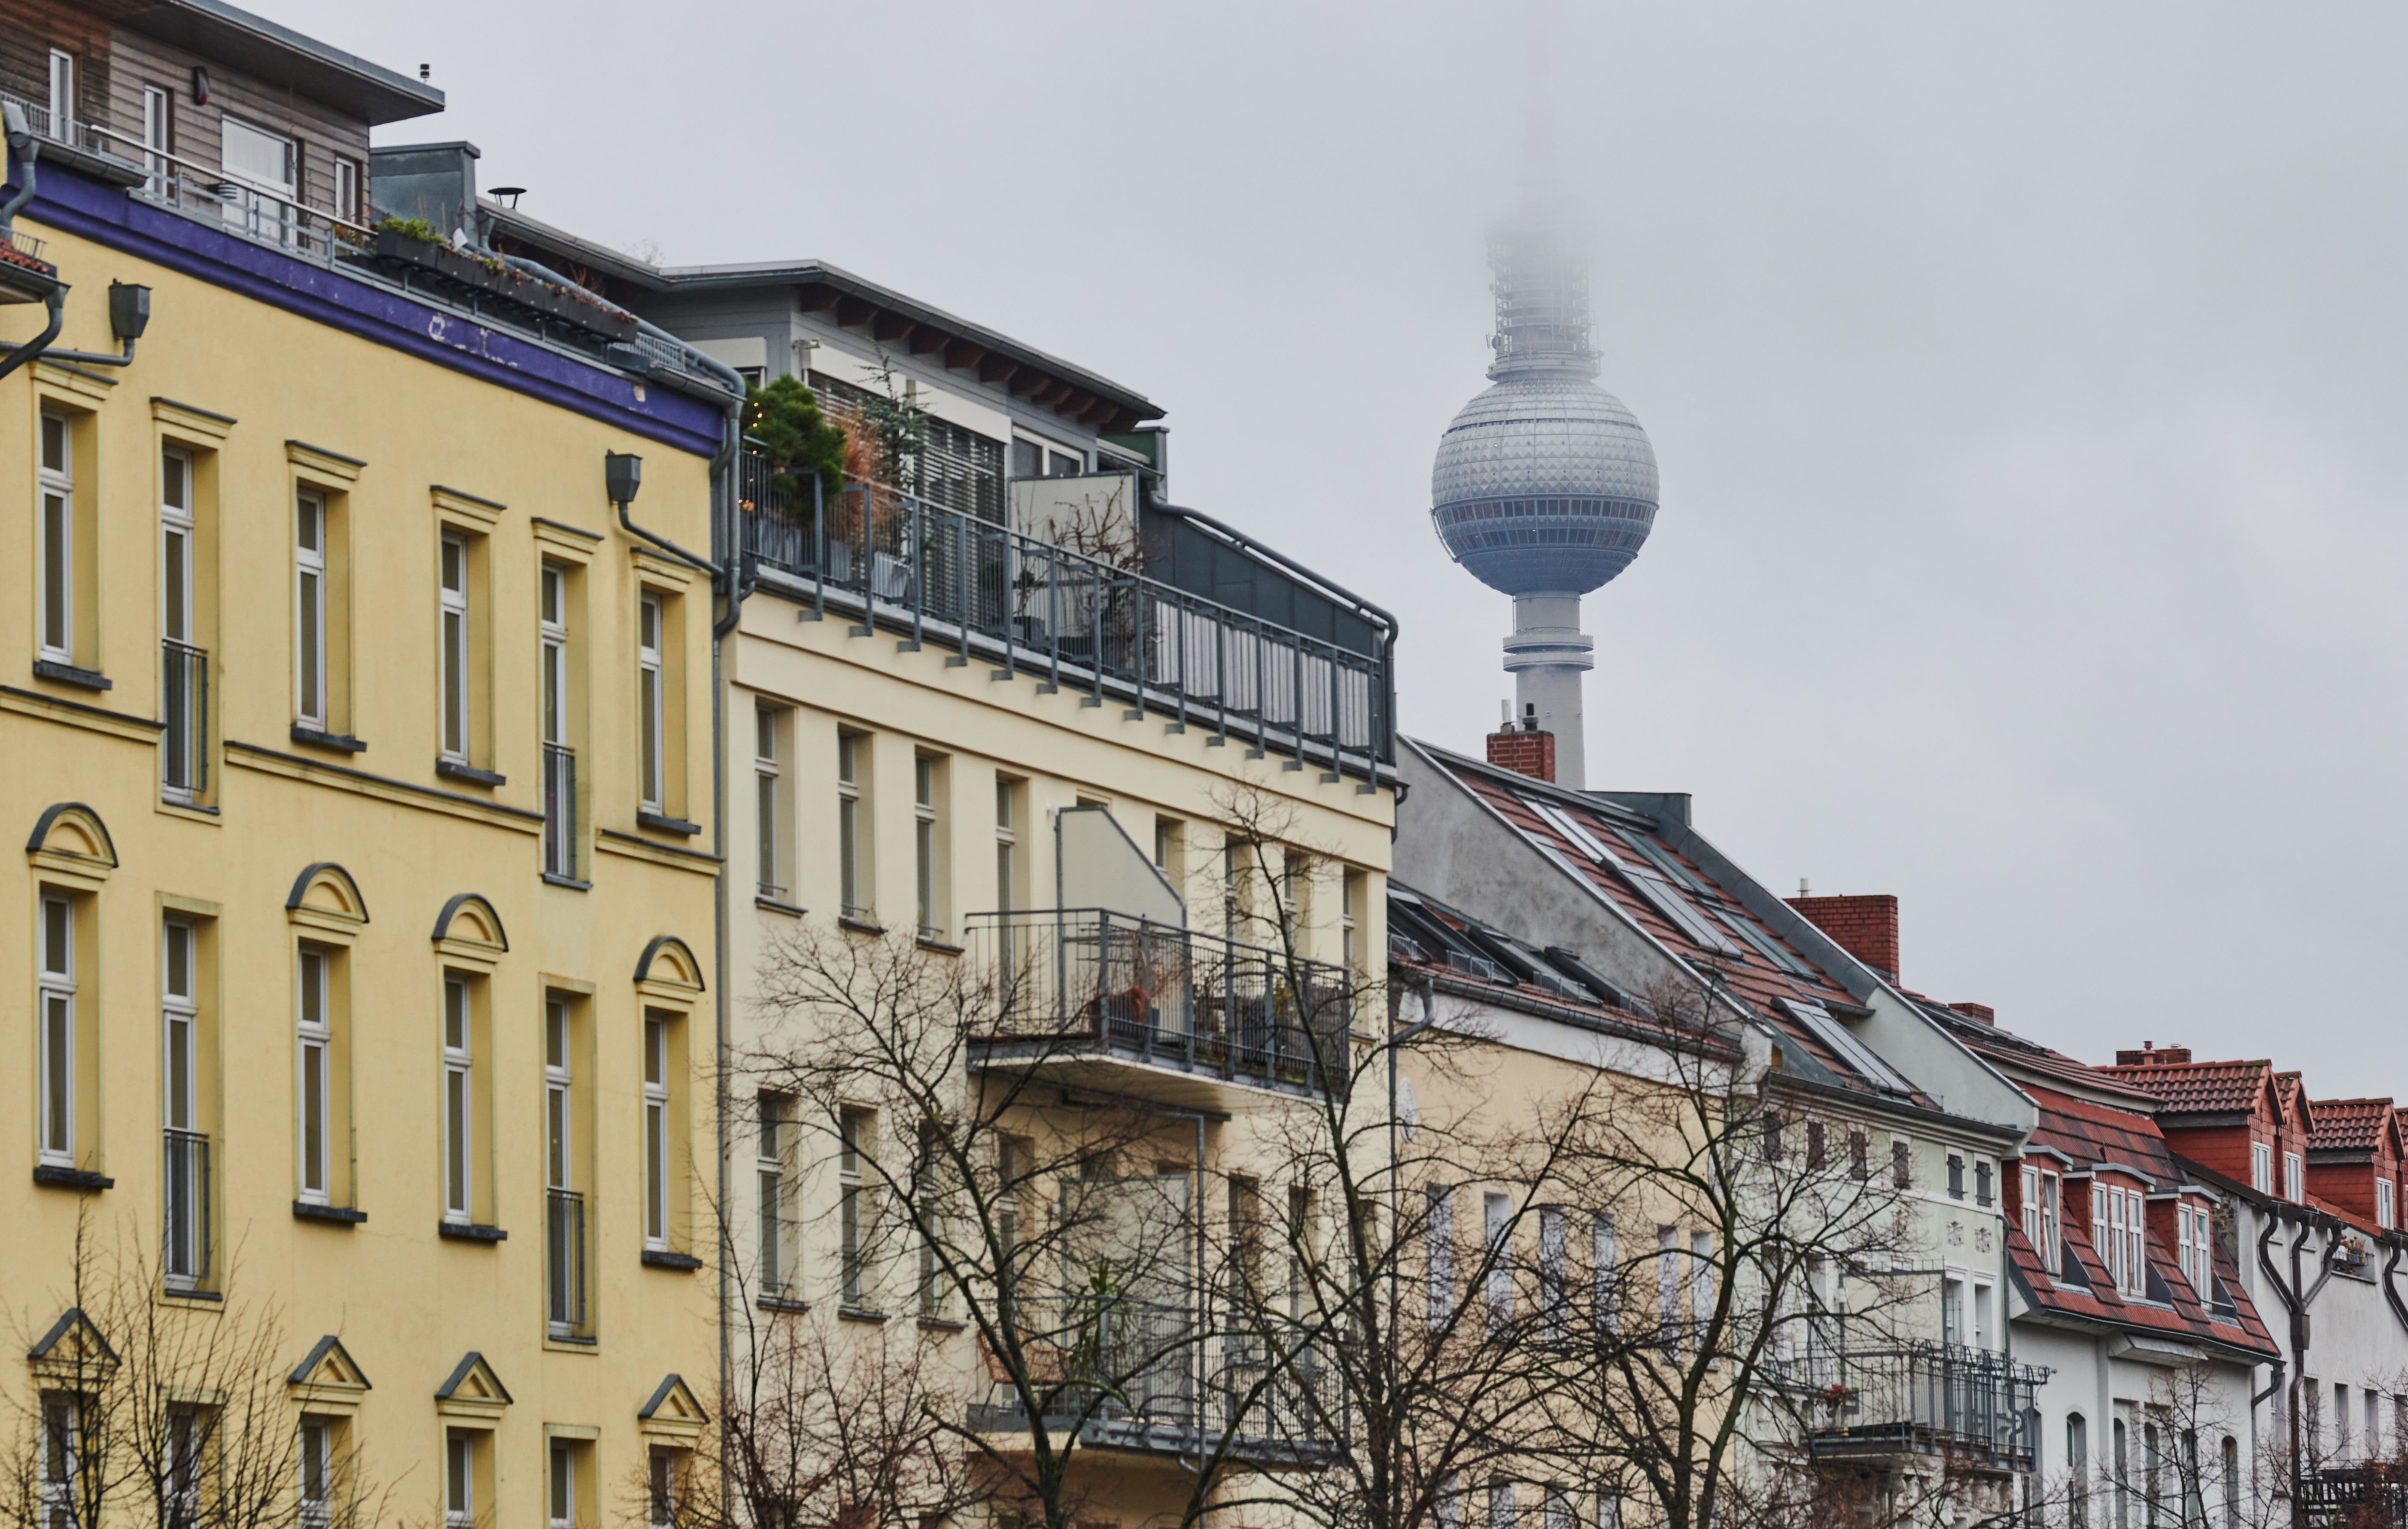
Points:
x=57 y=1046
x=1006 y=841
x=2294 y=1178
x=1815 y=1146
x=1951 y=1310
x=560 y=837
x=929 y=1211
x=771 y=1161
x=1553 y=1305
x=263 y=169
x=184 y=674
x=2382 y=1213
x=2051 y=1222
x=1044 y=459
x=347 y=188
x=2077 y=1467
x=560 y=1495
x=1701 y=1285
x=563 y=1204
x=2152 y=1461
x=1558 y=1509
x=1668 y=1290
x=2261 y=1167
x=1774 y=1149
x=656 y=1132
x=459 y=1479
x=1982 y=1181
x=1438 y=1252
x=1901 y=1163
x=1501 y=1504
x=2230 y=1452
x=158 y=108
x=2030 y=1196
x=1955 y=1176
x=663 y=1487
x=317 y=1473
x=62 y=97
x=309 y=609
x=57 y=554
x=1497 y=1229
x=1859 y=1153
x=62 y=1462
x=1981 y=1315
x=314 y=1036
x=452 y=601
x=768 y=785
x=185 y=1436
x=1605 y=1276
x=854 y=1128
x=186 y=1188
x=850 y=851
x=2122 y=1466
x=459 y=1102
x=928 y=846
x=650 y=703
x=2183 y=1244
x=1352 y=886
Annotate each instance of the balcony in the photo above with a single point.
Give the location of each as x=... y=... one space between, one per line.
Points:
x=559 y=812
x=1915 y=1398
x=1145 y=1376
x=564 y=1262
x=185 y=1201
x=951 y=581
x=184 y=720
x=1091 y=997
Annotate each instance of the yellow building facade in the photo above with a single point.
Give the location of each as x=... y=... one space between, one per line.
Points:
x=359 y=994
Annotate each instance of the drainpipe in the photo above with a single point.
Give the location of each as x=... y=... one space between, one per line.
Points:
x=28 y=149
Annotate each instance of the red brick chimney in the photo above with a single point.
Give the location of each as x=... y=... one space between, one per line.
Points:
x=2152 y=1054
x=1866 y=927
x=1978 y=1013
x=1522 y=748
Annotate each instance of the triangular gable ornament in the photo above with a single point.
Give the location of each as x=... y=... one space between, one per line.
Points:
x=673 y=1409
x=328 y=1375
x=473 y=1388
x=73 y=1351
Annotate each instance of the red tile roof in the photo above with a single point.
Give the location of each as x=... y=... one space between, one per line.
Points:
x=12 y=255
x=2354 y=1125
x=2198 y=1088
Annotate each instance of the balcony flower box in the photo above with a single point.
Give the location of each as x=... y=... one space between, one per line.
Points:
x=492 y=279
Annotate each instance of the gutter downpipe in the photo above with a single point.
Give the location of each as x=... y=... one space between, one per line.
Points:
x=1427 y=1021
x=29 y=149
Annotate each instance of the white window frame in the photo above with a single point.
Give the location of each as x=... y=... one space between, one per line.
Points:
x=656 y=1133
x=769 y=1170
x=1007 y=840
x=1554 y=1282
x=559 y=1484
x=2383 y=1204
x=2135 y=1232
x=2261 y=1167
x=2051 y=1222
x=314 y=1054
x=452 y=601
x=57 y=1044
x=459 y=1480
x=853 y=1275
x=2203 y=1254
x=309 y=658
x=179 y=1020
x=317 y=1461
x=2295 y=1178
x=2182 y=1244
x=848 y=822
x=62 y=1433
x=62 y=114
x=650 y=624
x=559 y=1094
x=459 y=1020
x=176 y=533
x=158 y=108
x=1605 y=1273
x=767 y=771
x=2031 y=1205
x=923 y=844
x=55 y=582
x=1497 y=1248
x=1951 y=1310
x=551 y=622
x=1438 y=1236
x=347 y=188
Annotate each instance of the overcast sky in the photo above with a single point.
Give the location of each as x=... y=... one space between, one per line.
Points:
x=2027 y=384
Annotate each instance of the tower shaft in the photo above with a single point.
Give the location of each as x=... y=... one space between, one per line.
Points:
x=1547 y=655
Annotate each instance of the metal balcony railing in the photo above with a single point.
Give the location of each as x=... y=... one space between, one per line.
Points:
x=186 y=1204
x=1914 y=1397
x=1136 y=1373
x=954 y=580
x=184 y=718
x=1081 y=982
x=2364 y=1495
x=563 y=1258
x=560 y=811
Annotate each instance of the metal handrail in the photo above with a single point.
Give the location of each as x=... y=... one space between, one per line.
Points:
x=1167 y=995
x=184 y=719
x=565 y=1260
x=560 y=810
x=1912 y=1394
x=186 y=1209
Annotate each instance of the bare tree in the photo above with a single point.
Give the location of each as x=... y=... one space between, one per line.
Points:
x=148 y=1409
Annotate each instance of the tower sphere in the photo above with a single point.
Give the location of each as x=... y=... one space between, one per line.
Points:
x=1543 y=484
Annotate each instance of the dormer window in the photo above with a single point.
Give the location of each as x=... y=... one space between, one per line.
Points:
x=2384 y=1214
x=2193 y=1249
x=2295 y=1178
x=2261 y=1167
x=2119 y=1234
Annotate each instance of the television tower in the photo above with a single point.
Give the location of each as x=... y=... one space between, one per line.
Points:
x=1544 y=486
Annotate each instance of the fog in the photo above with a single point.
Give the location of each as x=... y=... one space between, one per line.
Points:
x=2027 y=384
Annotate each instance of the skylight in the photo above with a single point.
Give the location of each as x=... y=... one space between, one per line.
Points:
x=1835 y=1034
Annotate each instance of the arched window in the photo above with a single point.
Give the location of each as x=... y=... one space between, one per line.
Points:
x=2077 y=1471
x=2231 y=1452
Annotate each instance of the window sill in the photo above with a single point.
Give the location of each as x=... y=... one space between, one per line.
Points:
x=928 y=942
x=661 y=823
x=59 y=1176
x=316 y=740
x=67 y=673
x=855 y=1313
x=452 y=769
x=569 y=881
x=334 y=1215
x=941 y=1324
x=860 y=926
x=194 y=811
x=207 y=1300
x=782 y=1302
x=570 y=1343
x=660 y=1258
x=774 y=905
x=470 y=1232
